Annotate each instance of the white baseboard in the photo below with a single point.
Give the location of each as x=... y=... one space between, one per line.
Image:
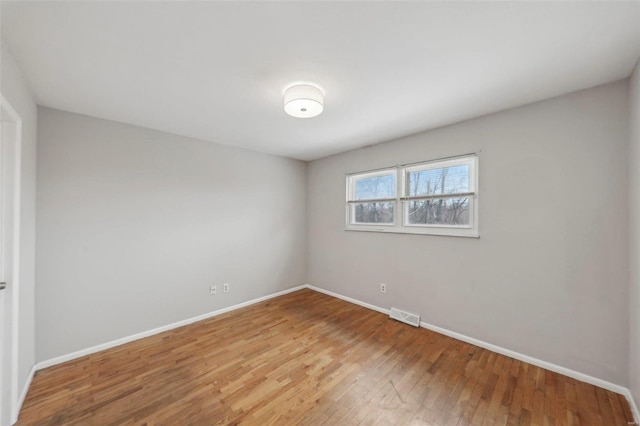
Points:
x=23 y=395
x=348 y=299
x=632 y=403
x=503 y=351
x=528 y=359
x=108 y=345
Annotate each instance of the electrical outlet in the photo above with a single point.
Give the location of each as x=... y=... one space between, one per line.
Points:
x=383 y=288
x=225 y=288
x=213 y=290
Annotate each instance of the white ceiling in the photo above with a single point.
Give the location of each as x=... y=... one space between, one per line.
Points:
x=216 y=70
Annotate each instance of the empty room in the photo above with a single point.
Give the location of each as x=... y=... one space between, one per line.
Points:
x=320 y=212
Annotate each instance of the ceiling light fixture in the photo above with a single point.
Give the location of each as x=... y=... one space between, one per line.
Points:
x=303 y=100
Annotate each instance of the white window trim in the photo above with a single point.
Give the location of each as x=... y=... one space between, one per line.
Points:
x=400 y=225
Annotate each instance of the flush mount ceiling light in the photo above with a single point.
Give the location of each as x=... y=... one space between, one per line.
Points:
x=303 y=100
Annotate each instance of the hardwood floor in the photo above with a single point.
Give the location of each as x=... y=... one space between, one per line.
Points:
x=307 y=358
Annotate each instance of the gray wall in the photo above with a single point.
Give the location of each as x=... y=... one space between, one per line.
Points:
x=548 y=276
x=134 y=225
x=634 y=253
x=17 y=93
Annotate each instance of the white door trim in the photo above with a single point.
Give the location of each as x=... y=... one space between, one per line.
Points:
x=17 y=161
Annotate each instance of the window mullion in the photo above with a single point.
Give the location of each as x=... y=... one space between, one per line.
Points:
x=399 y=194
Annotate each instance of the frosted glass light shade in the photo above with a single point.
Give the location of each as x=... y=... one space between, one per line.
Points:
x=303 y=101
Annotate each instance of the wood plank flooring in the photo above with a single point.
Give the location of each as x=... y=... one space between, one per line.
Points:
x=307 y=358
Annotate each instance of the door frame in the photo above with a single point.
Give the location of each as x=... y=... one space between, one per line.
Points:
x=14 y=117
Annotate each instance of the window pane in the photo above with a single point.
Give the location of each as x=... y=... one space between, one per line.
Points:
x=375 y=187
x=373 y=212
x=444 y=211
x=446 y=180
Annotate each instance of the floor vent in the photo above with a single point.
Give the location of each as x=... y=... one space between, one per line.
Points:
x=409 y=318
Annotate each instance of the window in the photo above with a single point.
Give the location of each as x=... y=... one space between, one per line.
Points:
x=437 y=197
x=372 y=198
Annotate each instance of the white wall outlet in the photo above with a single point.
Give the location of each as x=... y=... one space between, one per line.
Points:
x=225 y=287
x=383 y=288
x=213 y=290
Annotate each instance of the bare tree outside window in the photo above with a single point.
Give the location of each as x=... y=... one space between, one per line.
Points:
x=372 y=188
x=434 y=182
x=374 y=212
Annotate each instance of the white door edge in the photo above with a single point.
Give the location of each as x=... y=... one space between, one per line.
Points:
x=15 y=279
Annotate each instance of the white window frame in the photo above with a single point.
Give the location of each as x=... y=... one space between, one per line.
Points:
x=401 y=224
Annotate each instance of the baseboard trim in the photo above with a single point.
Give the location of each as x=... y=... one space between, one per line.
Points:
x=633 y=405
x=348 y=299
x=529 y=359
x=108 y=345
x=23 y=395
x=503 y=351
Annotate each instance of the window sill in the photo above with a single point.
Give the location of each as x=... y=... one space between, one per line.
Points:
x=442 y=232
